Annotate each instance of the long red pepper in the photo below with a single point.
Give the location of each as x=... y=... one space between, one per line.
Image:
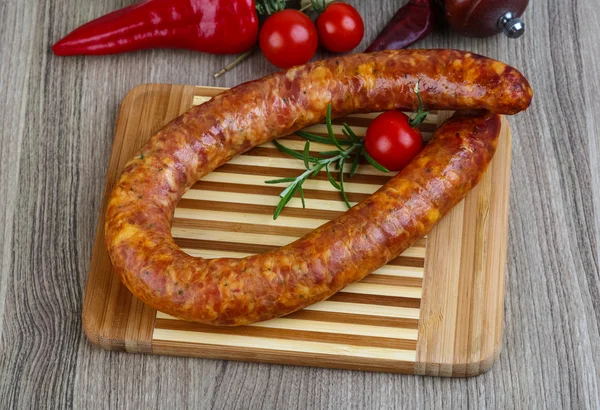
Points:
x=411 y=23
x=212 y=26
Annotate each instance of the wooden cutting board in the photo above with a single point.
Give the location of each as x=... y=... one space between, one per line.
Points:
x=435 y=310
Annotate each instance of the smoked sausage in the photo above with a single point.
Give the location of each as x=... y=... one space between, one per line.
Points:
x=230 y=291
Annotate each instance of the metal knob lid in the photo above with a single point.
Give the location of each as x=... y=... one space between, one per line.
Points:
x=512 y=25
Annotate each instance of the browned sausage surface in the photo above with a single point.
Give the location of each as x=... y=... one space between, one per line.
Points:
x=240 y=291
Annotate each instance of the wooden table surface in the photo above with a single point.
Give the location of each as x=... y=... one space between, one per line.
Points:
x=57 y=117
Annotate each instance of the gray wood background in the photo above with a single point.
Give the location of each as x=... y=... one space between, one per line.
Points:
x=57 y=117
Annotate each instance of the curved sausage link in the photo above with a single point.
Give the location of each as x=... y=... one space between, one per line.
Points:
x=240 y=291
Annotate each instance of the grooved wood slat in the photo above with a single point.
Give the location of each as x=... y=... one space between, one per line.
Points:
x=386 y=316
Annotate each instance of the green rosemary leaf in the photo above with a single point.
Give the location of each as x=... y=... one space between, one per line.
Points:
x=290 y=188
x=322 y=140
x=302 y=197
x=342 y=183
x=354 y=165
x=325 y=153
x=346 y=134
x=280 y=181
x=287 y=150
x=285 y=199
x=293 y=153
x=307 y=154
x=330 y=128
x=314 y=165
x=375 y=164
x=350 y=134
x=317 y=169
x=280 y=206
x=332 y=179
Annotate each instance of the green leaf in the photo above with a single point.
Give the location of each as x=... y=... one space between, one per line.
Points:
x=307 y=154
x=326 y=153
x=317 y=169
x=291 y=152
x=322 y=140
x=314 y=165
x=280 y=181
x=332 y=179
x=289 y=194
x=287 y=150
x=375 y=164
x=354 y=165
x=280 y=207
x=342 y=184
x=346 y=134
x=291 y=187
x=330 y=128
x=350 y=134
x=302 y=197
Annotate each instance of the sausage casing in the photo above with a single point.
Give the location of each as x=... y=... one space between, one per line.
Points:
x=239 y=291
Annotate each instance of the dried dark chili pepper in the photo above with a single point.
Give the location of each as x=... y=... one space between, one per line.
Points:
x=412 y=22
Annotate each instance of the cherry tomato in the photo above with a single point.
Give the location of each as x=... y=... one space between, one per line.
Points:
x=391 y=141
x=288 y=38
x=340 y=27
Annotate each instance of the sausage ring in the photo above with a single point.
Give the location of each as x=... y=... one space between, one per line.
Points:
x=230 y=291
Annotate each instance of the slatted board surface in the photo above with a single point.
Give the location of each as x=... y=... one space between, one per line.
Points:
x=370 y=325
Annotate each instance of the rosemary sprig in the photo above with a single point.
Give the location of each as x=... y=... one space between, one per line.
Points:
x=345 y=148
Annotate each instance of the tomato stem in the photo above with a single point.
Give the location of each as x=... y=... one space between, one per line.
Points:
x=248 y=53
x=235 y=62
x=418 y=116
x=268 y=7
x=319 y=5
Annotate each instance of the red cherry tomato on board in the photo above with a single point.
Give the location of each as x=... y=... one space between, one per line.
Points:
x=340 y=27
x=391 y=141
x=288 y=38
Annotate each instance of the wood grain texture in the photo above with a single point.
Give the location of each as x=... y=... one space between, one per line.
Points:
x=418 y=314
x=57 y=121
x=126 y=324
x=462 y=309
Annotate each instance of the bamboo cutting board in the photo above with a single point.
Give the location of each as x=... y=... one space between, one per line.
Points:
x=435 y=310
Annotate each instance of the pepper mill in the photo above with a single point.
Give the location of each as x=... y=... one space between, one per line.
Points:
x=483 y=18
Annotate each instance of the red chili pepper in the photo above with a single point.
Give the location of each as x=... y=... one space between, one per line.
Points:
x=212 y=26
x=411 y=23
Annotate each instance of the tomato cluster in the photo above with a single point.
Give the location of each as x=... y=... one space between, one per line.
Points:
x=289 y=37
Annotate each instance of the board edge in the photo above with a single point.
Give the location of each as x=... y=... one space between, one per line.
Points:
x=471 y=368
x=93 y=326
